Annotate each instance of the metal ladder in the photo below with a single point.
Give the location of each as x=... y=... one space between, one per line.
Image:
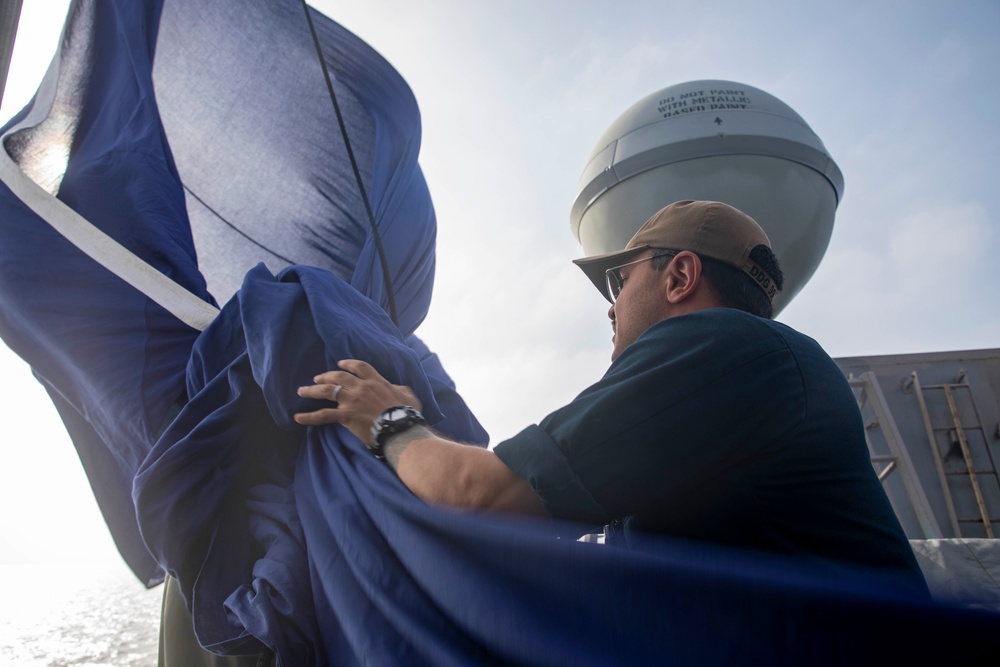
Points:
x=897 y=460
x=961 y=440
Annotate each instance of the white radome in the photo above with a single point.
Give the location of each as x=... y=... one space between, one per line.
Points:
x=713 y=140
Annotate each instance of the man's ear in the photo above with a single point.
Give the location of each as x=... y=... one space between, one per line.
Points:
x=683 y=277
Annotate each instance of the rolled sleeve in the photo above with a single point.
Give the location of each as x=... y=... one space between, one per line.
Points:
x=536 y=457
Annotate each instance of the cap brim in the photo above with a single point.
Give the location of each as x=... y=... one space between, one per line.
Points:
x=595 y=267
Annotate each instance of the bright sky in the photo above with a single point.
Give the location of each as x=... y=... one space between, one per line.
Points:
x=514 y=95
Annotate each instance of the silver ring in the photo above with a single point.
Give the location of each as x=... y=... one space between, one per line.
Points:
x=336 y=392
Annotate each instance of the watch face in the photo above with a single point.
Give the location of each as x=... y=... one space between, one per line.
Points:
x=394 y=420
x=397 y=413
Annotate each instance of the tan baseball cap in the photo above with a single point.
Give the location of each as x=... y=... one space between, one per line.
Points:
x=706 y=228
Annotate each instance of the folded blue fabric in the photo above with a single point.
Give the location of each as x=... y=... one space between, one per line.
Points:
x=298 y=539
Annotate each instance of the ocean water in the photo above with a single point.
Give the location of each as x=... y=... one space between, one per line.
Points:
x=92 y=617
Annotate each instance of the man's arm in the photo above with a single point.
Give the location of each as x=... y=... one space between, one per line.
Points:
x=435 y=469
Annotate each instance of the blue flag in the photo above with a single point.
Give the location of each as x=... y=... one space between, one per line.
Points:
x=149 y=146
x=184 y=154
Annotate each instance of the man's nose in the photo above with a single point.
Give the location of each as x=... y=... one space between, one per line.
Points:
x=611 y=313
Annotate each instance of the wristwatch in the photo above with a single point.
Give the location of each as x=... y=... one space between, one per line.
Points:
x=392 y=421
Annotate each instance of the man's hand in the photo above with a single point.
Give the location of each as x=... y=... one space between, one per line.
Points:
x=436 y=470
x=360 y=395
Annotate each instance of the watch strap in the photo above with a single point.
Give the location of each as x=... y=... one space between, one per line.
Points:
x=391 y=422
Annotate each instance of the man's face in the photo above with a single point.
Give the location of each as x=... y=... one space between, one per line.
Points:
x=640 y=305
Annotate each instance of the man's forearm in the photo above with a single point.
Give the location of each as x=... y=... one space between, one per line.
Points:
x=437 y=470
x=443 y=472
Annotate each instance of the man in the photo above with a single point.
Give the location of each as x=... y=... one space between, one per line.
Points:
x=713 y=422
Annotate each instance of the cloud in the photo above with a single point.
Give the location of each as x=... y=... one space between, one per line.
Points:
x=925 y=284
x=935 y=248
x=516 y=324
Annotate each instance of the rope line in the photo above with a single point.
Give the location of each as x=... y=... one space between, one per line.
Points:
x=354 y=165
